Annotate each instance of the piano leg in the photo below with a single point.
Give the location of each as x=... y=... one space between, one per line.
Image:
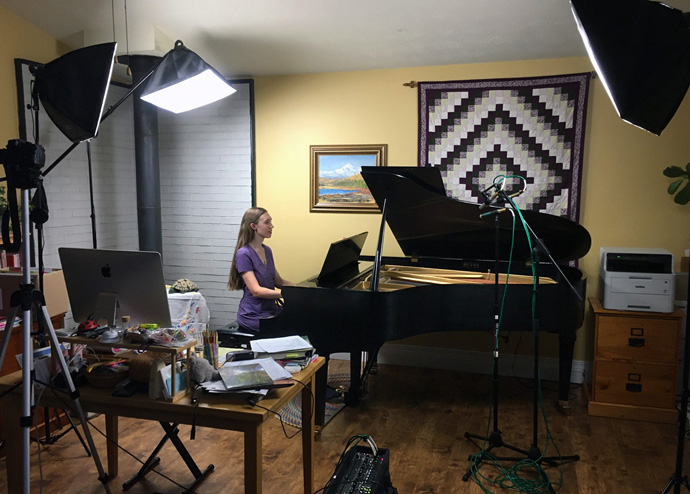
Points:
x=352 y=395
x=566 y=347
x=320 y=394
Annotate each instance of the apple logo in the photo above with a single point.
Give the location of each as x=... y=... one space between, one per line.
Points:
x=105 y=271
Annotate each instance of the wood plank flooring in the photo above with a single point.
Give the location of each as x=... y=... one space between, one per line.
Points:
x=420 y=415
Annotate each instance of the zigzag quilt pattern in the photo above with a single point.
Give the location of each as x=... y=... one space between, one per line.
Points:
x=477 y=130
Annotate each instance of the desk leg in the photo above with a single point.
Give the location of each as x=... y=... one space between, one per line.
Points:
x=308 y=437
x=253 y=455
x=11 y=412
x=111 y=430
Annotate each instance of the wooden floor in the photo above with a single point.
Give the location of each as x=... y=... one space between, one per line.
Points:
x=421 y=416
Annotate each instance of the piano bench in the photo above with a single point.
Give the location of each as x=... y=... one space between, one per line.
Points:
x=230 y=336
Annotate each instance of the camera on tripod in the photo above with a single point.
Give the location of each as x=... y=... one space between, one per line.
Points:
x=23 y=162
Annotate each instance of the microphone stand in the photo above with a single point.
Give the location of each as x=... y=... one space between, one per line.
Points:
x=495 y=439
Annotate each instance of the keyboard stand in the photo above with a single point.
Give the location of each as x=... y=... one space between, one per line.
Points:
x=171 y=433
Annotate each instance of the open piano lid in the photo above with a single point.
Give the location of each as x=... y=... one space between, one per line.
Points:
x=427 y=223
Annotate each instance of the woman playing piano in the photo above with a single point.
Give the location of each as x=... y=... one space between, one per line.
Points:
x=253 y=271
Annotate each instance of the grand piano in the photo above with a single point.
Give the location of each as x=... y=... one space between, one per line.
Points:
x=446 y=281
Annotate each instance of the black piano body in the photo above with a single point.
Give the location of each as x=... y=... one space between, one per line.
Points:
x=338 y=317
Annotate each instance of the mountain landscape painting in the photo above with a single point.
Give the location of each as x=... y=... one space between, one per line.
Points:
x=340 y=178
x=336 y=178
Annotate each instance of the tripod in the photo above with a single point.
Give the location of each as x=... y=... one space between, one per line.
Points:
x=23 y=298
x=494 y=439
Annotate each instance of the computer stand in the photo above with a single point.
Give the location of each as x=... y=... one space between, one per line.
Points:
x=24 y=298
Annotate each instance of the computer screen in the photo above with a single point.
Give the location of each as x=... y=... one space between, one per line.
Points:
x=110 y=284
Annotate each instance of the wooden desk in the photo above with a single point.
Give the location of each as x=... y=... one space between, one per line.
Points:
x=217 y=411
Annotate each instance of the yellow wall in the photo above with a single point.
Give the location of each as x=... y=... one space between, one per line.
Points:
x=624 y=199
x=19 y=39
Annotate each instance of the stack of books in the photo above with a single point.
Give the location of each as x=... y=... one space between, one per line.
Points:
x=285 y=350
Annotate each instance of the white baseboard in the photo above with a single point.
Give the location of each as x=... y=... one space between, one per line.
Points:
x=476 y=362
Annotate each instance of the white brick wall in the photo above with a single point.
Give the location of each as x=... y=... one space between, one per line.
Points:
x=206 y=184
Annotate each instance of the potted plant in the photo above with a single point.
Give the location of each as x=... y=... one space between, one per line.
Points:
x=681 y=175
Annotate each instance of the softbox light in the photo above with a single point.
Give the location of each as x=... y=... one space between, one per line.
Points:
x=641 y=51
x=73 y=89
x=183 y=81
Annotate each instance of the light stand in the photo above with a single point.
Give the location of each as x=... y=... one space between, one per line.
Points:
x=678 y=479
x=641 y=50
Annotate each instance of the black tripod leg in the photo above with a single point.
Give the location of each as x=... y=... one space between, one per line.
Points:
x=676 y=482
x=76 y=431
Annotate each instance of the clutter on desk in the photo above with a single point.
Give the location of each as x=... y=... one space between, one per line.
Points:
x=107 y=374
x=245 y=375
x=285 y=350
x=210 y=347
x=150 y=333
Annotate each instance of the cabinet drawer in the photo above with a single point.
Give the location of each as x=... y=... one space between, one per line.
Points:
x=629 y=383
x=637 y=338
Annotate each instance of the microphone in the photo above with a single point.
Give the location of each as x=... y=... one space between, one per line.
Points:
x=488 y=201
x=495 y=211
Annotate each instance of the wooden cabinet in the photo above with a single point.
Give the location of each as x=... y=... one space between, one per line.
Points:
x=635 y=364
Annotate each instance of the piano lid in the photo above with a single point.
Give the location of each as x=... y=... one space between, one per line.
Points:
x=428 y=223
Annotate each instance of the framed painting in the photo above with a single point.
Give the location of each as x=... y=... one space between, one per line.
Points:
x=336 y=183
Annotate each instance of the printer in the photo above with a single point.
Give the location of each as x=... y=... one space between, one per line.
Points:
x=637 y=279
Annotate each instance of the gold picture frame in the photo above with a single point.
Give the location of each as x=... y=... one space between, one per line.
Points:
x=336 y=184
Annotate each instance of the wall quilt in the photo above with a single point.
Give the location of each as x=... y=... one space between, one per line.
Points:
x=532 y=127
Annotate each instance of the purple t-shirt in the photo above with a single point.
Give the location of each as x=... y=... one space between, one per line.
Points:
x=251 y=308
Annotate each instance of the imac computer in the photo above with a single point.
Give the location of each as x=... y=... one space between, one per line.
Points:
x=110 y=284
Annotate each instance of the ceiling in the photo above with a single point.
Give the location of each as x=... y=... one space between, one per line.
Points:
x=252 y=38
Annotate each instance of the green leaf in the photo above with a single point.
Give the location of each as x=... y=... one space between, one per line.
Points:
x=675 y=171
x=673 y=186
x=683 y=197
x=687 y=168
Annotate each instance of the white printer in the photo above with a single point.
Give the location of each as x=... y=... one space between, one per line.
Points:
x=637 y=279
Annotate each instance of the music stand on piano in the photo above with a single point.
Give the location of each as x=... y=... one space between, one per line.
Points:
x=495 y=439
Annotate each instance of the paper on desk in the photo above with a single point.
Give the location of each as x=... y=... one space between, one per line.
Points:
x=219 y=387
x=276 y=345
x=275 y=371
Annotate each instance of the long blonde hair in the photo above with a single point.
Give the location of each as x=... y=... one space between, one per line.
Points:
x=245 y=236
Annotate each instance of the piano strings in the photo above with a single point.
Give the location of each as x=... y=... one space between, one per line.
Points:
x=393 y=278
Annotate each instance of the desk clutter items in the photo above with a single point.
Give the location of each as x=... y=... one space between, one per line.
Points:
x=256 y=375
x=107 y=374
x=287 y=350
x=172 y=347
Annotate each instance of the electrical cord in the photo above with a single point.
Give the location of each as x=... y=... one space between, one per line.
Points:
x=253 y=402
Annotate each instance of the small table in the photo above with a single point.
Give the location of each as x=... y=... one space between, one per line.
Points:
x=218 y=411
